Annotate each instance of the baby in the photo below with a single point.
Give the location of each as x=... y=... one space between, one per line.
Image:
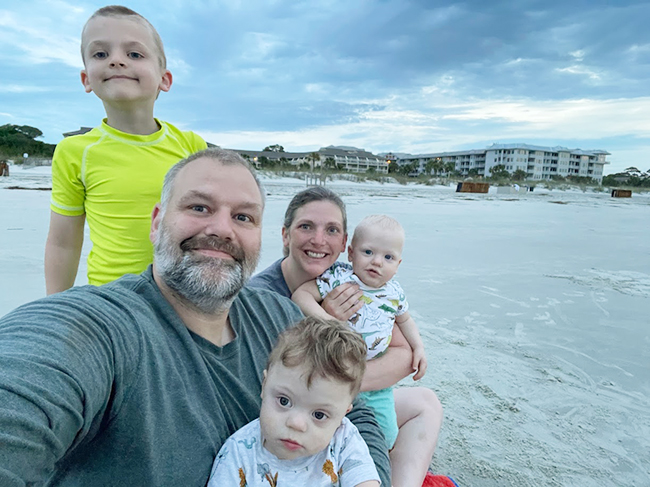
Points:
x=302 y=436
x=375 y=253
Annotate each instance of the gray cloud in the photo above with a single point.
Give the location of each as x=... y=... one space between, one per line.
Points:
x=309 y=67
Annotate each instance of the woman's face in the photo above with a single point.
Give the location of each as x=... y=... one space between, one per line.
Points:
x=316 y=237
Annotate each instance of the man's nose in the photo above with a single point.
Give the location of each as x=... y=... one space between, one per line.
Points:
x=220 y=224
x=297 y=421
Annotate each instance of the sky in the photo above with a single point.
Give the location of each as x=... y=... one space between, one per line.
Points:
x=405 y=76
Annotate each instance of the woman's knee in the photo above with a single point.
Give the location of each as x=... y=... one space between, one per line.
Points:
x=418 y=402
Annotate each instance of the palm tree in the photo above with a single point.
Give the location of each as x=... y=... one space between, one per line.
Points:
x=449 y=167
x=312 y=158
x=329 y=163
x=434 y=165
x=428 y=167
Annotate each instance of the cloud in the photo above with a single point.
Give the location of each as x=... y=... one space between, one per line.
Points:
x=411 y=76
x=446 y=127
x=41 y=32
x=567 y=118
x=22 y=89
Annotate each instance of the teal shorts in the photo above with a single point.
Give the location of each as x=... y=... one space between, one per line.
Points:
x=382 y=403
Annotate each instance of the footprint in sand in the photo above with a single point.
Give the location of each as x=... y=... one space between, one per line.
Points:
x=546 y=318
x=493 y=289
x=574 y=294
x=519 y=330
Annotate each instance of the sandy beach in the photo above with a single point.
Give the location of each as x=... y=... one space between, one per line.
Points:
x=534 y=307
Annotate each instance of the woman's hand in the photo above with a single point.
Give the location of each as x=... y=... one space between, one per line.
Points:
x=343 y=301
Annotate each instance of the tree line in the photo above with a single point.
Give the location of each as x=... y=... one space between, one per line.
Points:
x=631 y=177
x=16 y=140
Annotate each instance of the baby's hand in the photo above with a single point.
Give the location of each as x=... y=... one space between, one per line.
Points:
x=419 y=363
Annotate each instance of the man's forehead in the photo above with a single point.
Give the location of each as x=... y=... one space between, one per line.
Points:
x=201 y=176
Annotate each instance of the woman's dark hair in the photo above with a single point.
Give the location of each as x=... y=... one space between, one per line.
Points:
x=313 y=193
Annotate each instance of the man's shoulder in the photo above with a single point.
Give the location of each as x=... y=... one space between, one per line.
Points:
x=127 y=293
x=263 y=295
x=119 y=309
x=271 y=279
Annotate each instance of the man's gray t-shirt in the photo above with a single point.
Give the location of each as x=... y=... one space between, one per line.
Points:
x=106 y=386
x=272 y=279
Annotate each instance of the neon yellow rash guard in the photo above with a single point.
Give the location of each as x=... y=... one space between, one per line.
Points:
x=115 y=179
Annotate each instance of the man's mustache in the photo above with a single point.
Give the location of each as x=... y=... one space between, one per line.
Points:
x=213 y=243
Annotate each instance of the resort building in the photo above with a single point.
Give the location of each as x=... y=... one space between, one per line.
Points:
x=354 y=160
x=348 y=159
x=537 y=162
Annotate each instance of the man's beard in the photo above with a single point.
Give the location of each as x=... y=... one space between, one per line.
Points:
x=208 y=284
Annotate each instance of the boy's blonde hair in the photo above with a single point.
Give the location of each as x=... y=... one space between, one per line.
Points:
x=383 y=221
x=326 y=348
x=120 y=11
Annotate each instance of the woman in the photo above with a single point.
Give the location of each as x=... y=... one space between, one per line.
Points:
x=314 y=234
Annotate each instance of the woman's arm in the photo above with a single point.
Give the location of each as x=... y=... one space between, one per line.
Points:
x=391 y=367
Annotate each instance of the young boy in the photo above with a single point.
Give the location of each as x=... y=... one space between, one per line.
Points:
x=302 y=437
x=113 y=174
x=375 y=253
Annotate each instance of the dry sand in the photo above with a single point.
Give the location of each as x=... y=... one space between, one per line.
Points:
x=535 y=309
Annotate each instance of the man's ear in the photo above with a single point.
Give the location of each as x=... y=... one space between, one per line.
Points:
x=166 y=81
x=350 y=253
x=349 y=409
x=156 y=217
x=85 y=81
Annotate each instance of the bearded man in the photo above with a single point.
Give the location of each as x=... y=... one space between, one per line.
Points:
x=140 y=381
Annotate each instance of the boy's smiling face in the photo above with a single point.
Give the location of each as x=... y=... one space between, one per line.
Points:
x=122 y=63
